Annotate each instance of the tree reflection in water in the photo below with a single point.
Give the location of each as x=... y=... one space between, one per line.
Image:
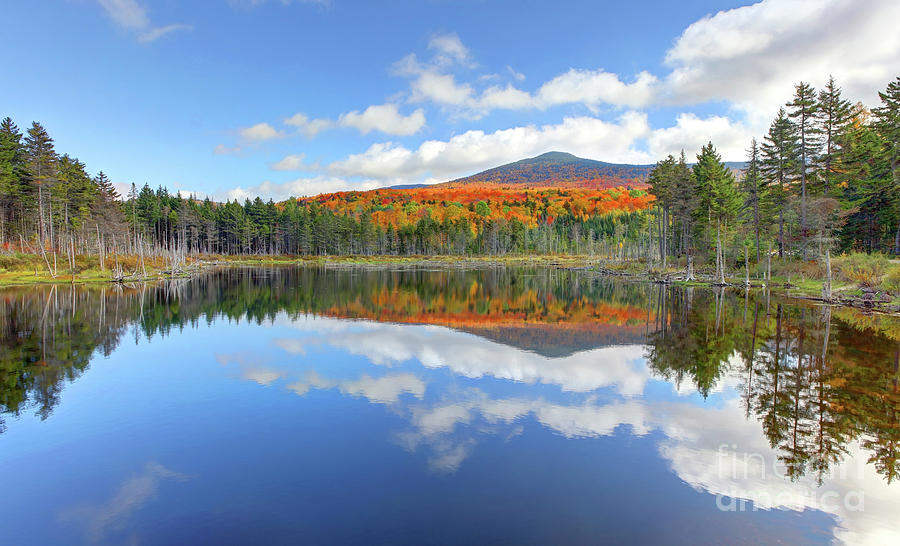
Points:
x=816 y=379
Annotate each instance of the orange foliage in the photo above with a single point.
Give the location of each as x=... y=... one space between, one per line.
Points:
x=452 y=202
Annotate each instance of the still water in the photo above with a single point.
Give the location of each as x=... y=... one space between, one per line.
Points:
x=298 y=405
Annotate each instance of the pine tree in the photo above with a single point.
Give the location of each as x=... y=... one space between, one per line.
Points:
x=718 y=198
x=864 y=178
x=887 y=122
x=41 y=161
x=777 y=165
x=804 y=108
x=752 y=186
x=12 y=171
x=834 y=115
x=662 y=182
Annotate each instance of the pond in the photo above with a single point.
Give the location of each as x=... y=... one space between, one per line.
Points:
x=516 y=405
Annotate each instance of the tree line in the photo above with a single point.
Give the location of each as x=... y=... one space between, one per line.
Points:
x=825 y=176
x=50 y=204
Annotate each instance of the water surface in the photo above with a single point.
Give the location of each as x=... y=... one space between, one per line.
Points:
x=494 y=405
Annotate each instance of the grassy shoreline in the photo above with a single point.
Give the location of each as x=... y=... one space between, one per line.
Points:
x=27 y=269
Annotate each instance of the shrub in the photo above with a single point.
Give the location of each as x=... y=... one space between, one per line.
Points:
x=891 y=280
x=863 y=269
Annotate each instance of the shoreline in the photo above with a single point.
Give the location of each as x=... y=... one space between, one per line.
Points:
x=808 y=289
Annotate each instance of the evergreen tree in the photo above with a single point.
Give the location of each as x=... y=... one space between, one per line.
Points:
x=887 y=122
x=752 y=186
x=41 y=161
x=834 y=115
x=12 y=171
x=718 y=198
x=803 y=110
x=777 y=164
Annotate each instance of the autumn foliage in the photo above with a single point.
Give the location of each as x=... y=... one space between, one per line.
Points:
x=479 y=203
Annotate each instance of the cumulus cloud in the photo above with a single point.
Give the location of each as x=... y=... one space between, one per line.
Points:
x=450 y=49
x=691 y=132
x=750 y=56
x=384 y=118
x=433 y=81
x=308 y=127
x=131 y=15
x=299 y=187
x=289 y=163
x=628 y=139
x=476 y=150
x=595 y=87
x=260 y=131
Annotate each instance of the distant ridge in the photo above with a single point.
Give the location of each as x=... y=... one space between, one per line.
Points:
x=554 y=168
x=558 y=169
x=565 y=169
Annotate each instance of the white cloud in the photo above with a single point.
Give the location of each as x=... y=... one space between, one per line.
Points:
x=381 y=390
x=300 y=187
x=690 y=133
x=126 y=13
x=221 y=149
x=629 y=139
x=309 y=127
x=475 y=150
x=260 y=131
x=595 y=87
x=518 y=76
x=384 y=118
x=471 y=356
x=131 y=15
x=450 y=49
x=433 y=81
x=158 y=32
x=750 y=56
x=289 y=163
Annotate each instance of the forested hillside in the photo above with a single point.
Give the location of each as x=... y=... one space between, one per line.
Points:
x=560 y=169
x=824 y=177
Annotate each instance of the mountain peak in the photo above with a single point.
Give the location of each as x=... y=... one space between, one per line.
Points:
x=556 y=156
x=560 y=168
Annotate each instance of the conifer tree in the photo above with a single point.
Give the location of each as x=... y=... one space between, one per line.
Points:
x=12 y=171
x=803 y=110
x=752 y=187
x=718 y=198
x=834 y=115
x=777 y=165
x=41 y=161
x=887 y=122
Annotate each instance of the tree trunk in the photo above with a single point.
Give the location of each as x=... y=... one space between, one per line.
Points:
x=746 y=266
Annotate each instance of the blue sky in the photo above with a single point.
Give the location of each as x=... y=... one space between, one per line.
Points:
x=252 y=97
